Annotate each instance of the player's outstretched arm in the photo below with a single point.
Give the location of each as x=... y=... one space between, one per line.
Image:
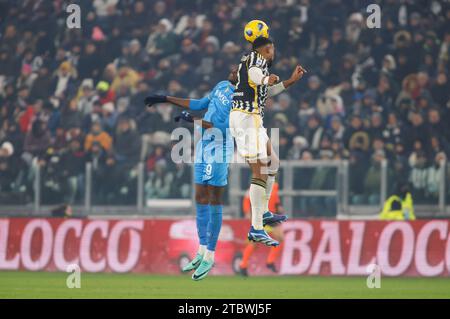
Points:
x=184 y=103
x=191 y=104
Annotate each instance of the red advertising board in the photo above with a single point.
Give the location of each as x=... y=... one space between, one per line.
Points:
x=311 y=247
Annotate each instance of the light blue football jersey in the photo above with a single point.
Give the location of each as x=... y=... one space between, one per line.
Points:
x=218 y=139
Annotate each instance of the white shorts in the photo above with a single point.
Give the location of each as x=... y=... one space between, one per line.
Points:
x=249 y=133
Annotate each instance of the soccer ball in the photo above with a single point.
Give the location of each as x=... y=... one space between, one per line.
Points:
x=255 y=29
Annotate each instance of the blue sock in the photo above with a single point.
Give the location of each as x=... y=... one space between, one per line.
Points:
x=214 y=225
x=202 y=223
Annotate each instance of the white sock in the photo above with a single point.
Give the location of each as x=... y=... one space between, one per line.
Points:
x=258 y=202
x=269 y=184
x=201 y=250
x=209 y=255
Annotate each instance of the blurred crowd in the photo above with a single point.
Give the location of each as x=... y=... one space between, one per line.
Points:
x=71 y=96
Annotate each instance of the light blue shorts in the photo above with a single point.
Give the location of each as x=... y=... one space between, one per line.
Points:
x=214 y=174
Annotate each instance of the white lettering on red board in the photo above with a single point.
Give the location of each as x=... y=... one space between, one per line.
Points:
x=44 y=251
x=399 y=248
x=354 y=266
x=5 y=263
x=422 y=248
x=329 y=250
x=300 y=245
x=406 y=252
x=38 y=254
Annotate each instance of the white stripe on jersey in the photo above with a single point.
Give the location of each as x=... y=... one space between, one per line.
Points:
x=239 y=74
x=252 y=58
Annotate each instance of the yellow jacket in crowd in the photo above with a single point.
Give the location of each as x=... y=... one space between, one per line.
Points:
x=396 y=208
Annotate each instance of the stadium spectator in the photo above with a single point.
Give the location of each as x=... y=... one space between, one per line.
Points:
x=42 y=84
x=37 y=139
x=73 y=168
x=86 y=97
x=97 y=135
x=6 y=171
x=63 y=81
x=162 y=42
x=71 y=116
x=127 y=143
x=97 y=155
x=159 y=181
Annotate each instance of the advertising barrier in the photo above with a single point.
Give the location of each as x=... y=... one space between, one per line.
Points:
x=310 y=247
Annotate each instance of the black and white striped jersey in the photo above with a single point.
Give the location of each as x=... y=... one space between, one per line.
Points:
x=249 y=97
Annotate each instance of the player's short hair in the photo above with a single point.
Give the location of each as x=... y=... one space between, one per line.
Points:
x=260 y=42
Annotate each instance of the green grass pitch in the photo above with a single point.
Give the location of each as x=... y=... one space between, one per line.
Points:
x=53 y=285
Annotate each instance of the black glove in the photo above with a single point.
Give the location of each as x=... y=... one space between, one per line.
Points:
x=154 y=99
x=186 y=116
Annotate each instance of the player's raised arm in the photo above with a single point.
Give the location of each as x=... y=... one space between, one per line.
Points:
x=296 y=75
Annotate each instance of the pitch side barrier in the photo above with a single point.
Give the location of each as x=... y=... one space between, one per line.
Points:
x=301 y=193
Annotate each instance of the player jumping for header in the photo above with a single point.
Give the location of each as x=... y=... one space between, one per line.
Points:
x=253 y=86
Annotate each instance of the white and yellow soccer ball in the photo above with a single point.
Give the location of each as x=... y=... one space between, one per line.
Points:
x=255 y=29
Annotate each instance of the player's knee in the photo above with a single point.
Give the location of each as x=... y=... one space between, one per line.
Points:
x=201 y=198
x=260 y=172
x=215 y=199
